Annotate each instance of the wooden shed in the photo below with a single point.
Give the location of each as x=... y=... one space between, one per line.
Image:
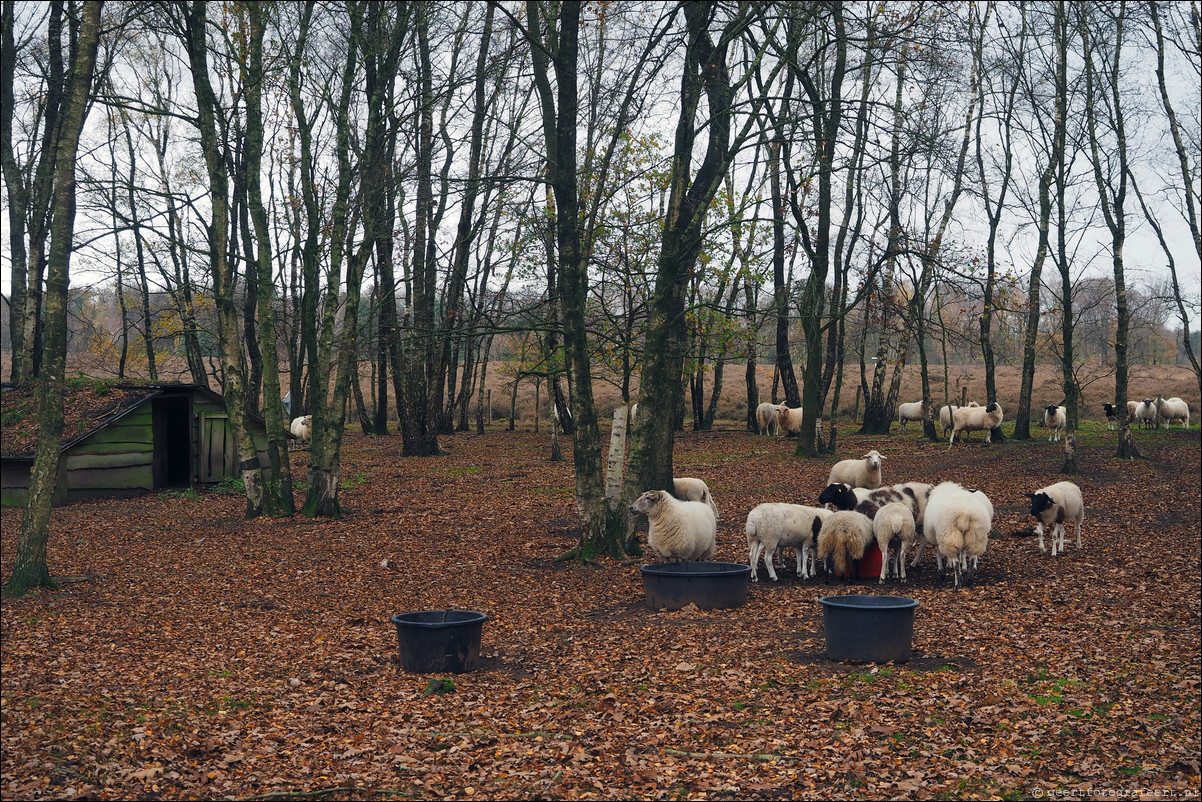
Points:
x=123 y=440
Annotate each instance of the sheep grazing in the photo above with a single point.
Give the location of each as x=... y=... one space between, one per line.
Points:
x=908 y=412
x=1112 y=415
x=678 y=530
x=966 y=419
x=869 y=503
x=771 y=525
x=958 y=522
x=1145 y=413
x=1172 y=409
x=790 y=419
x=894 y=521
x=767 y=418
x=843 y=537
x=302 y=428
x=1053 y=506
x=864 y=472
x=686 y=488
x=1055 y=418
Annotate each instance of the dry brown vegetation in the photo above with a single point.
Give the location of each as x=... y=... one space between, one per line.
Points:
x=192 y=654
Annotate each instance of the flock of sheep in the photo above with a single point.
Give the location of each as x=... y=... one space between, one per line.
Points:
x=854 y=512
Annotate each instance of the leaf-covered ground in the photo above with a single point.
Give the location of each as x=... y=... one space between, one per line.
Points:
x=191 y=654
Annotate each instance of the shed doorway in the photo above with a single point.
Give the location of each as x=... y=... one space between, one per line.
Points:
x=172 y=442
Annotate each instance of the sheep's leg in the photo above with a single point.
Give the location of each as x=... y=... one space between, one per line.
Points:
x=753 y=559
x=1078 y=526
x=899 y=570
x=922 y=544
x=769 y=553
x=1039 y=531
x=884 y=562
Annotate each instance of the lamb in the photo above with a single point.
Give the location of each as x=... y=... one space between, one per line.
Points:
x=1054 y=505
x=767 y=418
x=1172 y=409
x=908 y=412
x=771 y=525
x=679 y=530
x=302 y=428
x=686 y=488
x=1145 y=413
x=1112 y=416
x=894 y=520
x=789 y=418
x=843 y=537
x=945 y=416
x=864 y=472
x=1055 y=418
x=958 y=522
x=966 y=419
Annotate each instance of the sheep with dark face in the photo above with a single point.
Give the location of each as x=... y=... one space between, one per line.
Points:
x=1145 y=413
x=1055 y=418
x=912 y=495
x=967 y=419
x=1112 y=416
x=1053 y=506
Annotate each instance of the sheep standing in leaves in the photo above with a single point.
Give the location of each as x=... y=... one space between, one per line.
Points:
x=843 y=539
x=767 y=418
x=302 y=428
x=789 y=419
x=1055 y=418
x=771 y=526
x=863 y=472
x=678 y=530
x=958 y=522
x=894 y=522
x=1054 y=506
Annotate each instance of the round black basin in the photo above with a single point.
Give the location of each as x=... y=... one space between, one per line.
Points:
x=874 y=629
x=439 y=641
x=708 y=585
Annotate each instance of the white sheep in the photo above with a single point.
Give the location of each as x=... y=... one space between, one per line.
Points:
x=686 y=488
x=863 y=472
x=1055 y=418
x=789 y=419
x=774 y=525
x=1132 y=409
x=894 y=520
x=1145 y=413
x=767 y=418
x=1053 y=506
x=843 y=537
x=908 y=412
x=958 y=522
x=302 y=428
x=678 y=530
x=1172 y=409
x=945 y=416
x=965 y=419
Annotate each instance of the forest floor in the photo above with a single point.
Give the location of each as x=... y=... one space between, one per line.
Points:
x=191 y=654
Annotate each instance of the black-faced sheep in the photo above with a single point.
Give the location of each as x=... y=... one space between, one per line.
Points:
x=771 y=526
x=958 y=522
x=789 y=418
x=894 y=521
x=1172 y=409
x=965 y=419
x=1145 y=413
x=1112 y=417
x=767 y=418
x=908 y=412
x=1055 y=418
x=1053 y=506
x=678 y=530
x=302 y=428
x=687 y=488
x=843 y=538
x=912 y=495
x=864 y=472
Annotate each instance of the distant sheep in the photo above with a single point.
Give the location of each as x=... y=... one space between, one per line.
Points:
x=864 y=472
x=894 y=521
x=908 y=412
x=1172 y=409
x=789 y=418
x=958 y=522
x=302 y=428
x=1145 y=413
x=843 y=538
x=686 y=488
x=1112 y=416
x=771 y=526
x=1053 y=506
x=767 y=418
x=678 y=530
x=1055 y=418
x=965 y=419
x=1132 y=408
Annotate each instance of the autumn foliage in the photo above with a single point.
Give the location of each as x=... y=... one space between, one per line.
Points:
x=191 y=654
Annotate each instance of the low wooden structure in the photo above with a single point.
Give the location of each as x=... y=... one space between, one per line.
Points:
x=126 y=440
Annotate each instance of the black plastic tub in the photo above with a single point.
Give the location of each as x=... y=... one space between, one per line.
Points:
x=873 y=629
x=439 y=641
x=709 y=586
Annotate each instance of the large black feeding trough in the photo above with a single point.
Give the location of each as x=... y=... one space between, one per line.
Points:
x=875 y=629
x=709 y=586
x=439 y=641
